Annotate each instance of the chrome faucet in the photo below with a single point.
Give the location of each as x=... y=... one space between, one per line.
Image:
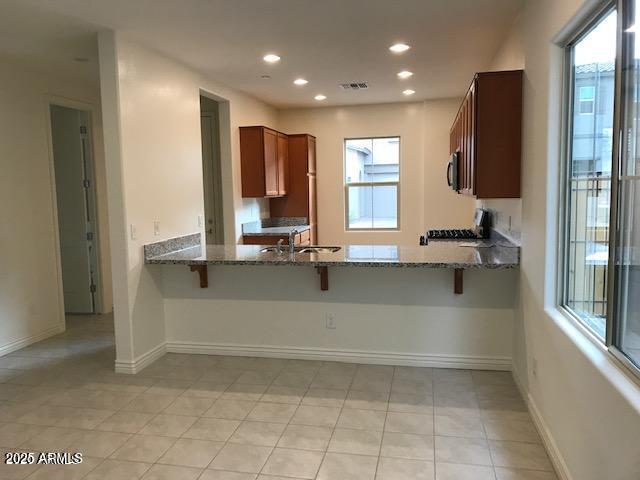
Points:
x=279 y=245
x=292 y=241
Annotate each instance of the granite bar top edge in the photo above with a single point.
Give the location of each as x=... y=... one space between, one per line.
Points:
x=172 y=245
x=360 y=264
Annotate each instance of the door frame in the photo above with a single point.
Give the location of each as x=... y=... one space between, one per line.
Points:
x=90 y=109
x=226 y=165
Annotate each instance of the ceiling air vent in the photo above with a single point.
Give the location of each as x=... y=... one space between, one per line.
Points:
x=354 y=86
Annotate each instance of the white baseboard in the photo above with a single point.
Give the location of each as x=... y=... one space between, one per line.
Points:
x=138 y=363
x=25 y=342
x=559 y=464
x=350 y=356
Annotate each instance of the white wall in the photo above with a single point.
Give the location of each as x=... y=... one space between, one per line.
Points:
x=30 y=282
x=382 y=315
x=588 y=404
x=154 y=168
x=424 y=149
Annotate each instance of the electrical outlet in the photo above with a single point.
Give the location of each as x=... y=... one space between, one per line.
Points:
x=330 y=321
x=133 y=232
x=200 y=220
x=156 y=228
x=509 y=223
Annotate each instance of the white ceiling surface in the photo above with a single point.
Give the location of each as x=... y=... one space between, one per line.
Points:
x=47 y=41
x=325 y=41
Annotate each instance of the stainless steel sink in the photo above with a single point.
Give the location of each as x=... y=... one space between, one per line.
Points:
x=310 y=249
x=319 y=249
x=283 y=249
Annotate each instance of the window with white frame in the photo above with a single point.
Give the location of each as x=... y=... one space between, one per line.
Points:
x=586 y=99
x=372 y=183
x=601 y=222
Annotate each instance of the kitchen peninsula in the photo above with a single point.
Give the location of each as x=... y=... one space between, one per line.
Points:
x=481 y=254
x=384 y=304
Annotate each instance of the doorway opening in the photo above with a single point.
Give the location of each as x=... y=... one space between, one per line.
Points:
x=73 y=165
x=212 y=170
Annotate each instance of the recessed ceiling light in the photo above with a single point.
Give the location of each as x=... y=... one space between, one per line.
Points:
x=271 y=58
x=399 y=47
x=405 y=74
x=300 y=81
x=320 y=97
x=408 y=92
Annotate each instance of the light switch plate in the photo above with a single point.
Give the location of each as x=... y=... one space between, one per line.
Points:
x=133 y=232
x=156 y=228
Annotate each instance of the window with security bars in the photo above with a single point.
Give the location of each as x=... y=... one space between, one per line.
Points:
x=588 y=172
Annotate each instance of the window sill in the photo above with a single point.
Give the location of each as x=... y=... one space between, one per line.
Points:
x=620 y=377
x=584 y=329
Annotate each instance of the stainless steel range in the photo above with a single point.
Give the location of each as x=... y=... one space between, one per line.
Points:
x=481 y=229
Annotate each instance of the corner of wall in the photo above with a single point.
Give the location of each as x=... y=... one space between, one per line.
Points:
x=110 y=101
x=557 y=460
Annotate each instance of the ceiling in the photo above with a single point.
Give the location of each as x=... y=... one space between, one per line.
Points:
x=328 y=42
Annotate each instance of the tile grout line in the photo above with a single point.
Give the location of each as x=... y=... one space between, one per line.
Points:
x=289 y=421
x=335 y=425
x=484 y=430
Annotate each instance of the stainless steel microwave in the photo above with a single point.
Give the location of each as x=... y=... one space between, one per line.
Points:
x=452 y=172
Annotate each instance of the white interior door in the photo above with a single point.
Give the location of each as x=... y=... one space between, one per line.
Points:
x=212 y=178
x=72 y=164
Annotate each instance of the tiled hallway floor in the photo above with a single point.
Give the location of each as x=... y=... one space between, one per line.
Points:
x=233 y=418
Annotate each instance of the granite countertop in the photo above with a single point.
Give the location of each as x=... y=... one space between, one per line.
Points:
x=480 y=254
x=275 y=226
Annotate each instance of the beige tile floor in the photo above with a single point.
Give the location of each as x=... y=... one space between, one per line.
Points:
x=234 y=418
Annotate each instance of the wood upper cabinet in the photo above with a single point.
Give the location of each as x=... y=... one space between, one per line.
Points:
x=264 y=162
x=487 y=135
x=283 y=164
x=301 y=195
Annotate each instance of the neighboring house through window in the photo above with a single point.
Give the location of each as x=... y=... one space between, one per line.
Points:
x=588 y=173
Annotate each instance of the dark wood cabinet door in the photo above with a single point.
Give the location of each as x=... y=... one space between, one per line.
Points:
x=283 y=164
x=300 y=199
x=252 y=161
x=499 y=134
x=271 y=163
x=471 y=101
x=311 y=154
x=463 y=147
x=468 y=142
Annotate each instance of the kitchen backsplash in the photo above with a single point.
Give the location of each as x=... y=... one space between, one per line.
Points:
x=507 y=216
